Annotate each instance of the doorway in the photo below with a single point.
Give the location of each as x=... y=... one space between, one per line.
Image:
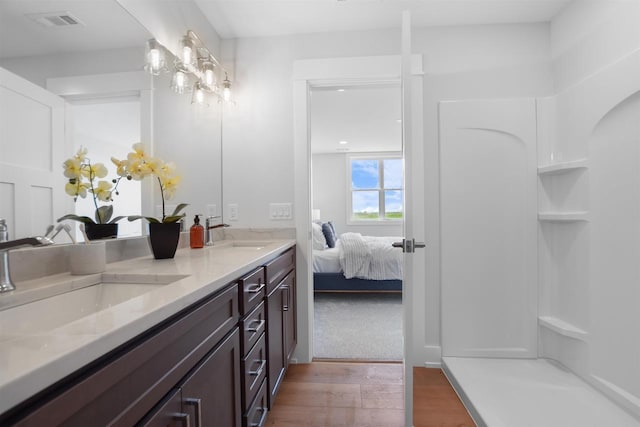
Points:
x=357 y=192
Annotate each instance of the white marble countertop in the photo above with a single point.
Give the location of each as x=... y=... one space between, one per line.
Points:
x=29 y=362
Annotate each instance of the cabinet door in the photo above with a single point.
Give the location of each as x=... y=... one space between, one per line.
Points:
x=168 y=414
x=211 y=394
x=289 y=313
x=275 y=341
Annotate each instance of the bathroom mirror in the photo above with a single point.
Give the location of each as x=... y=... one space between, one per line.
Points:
x=69 y=48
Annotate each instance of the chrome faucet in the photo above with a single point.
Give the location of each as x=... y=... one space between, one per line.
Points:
x=6 y=284
x=210 y=226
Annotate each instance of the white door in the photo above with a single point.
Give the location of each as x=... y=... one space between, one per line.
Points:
x=489 y=228
x=32 y=192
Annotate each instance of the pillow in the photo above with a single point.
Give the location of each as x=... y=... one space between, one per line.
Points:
x=319 y=242
x=329 y=234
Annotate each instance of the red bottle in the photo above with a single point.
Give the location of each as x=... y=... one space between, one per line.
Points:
x=196 y=237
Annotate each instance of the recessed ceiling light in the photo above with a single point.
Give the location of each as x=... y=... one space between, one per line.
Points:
x=340 y=90
x=343 y=142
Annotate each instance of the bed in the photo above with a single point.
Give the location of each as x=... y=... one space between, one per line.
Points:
x=358 y=263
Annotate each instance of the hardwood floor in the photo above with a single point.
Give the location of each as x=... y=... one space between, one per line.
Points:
x=329 y=394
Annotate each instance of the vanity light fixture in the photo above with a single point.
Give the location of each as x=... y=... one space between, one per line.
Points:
x=226 y=91
x=343 y=142
x=193 y=59
x=180 y=81
x=198 y=96
x=155 y=54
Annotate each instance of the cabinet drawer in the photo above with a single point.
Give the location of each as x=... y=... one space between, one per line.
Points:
x=254 y=371
x=252 y=290
x=256 y=416
x=280 y=267
x=252 y=327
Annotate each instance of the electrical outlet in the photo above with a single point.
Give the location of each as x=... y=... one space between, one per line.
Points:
x=279 y=211
x=233 y=212
x=212 y=210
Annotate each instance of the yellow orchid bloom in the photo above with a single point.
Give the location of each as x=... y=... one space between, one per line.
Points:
x=72 y=168
x=121 y=165
x=81 y=154
x=95 y=171
x=138 y=154
x=76 y=189
x=170 y=185
x=103 y=191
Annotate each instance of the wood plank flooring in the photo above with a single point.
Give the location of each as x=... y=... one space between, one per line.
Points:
x=329 y=394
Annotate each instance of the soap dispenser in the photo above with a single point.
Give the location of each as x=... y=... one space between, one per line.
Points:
x=196 y=235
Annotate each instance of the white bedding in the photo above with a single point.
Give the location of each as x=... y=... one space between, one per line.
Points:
x=379 y=261
x=327 y=261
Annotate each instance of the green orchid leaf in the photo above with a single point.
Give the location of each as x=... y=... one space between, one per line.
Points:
x=103 y=214
x=148 y=218
x=83 y=219
x=173 y=218
x=116 y=219
x=177 y=210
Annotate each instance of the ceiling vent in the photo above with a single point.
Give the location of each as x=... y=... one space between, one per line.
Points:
x=55 y=19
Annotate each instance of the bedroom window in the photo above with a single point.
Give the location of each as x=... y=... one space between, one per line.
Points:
x=376 y=189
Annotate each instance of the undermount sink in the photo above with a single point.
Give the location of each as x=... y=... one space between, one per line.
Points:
x=35 y=313
x=254 y=245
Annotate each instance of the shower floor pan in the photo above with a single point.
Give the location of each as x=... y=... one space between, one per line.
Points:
x=530 y=393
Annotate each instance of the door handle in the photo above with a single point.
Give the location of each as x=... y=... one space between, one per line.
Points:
x=408 y=246
x=183 y=418
x=197 y=404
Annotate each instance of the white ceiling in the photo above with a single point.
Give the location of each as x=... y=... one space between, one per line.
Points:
x=106 y=26
x=367 y=117
x=256 y=18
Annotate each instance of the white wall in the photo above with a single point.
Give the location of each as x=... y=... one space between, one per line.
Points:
x=329 y=181
x=502 y=61
x=589 y=274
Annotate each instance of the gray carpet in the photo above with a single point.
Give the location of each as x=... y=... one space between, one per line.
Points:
x=358 y=326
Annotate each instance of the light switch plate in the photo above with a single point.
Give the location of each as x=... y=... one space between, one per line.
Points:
x=280 y=211
x=233 y=211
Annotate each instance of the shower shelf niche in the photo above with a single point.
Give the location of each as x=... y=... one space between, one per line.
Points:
x=561 y=327
x=563 y=216
x=562 y=167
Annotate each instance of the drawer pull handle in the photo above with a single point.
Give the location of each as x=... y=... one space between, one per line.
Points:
x=254 y=289
x=257 y=327
x=257 y=372
x=197 y=404
x=285 y=304
x=183 y=418
x=262 y=418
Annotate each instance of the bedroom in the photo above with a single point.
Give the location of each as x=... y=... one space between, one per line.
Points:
x=356 y=163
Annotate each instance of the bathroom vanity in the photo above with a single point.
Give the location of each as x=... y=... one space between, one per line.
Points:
x=207 y=344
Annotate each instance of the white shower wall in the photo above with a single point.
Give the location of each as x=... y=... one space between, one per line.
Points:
x=589 y=274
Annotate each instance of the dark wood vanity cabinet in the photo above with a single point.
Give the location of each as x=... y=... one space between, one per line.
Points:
x=281 y=318
x=216 y=363
x=198 y=401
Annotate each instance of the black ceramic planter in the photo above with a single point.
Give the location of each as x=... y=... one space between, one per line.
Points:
x=101 y=231
x=163 y=239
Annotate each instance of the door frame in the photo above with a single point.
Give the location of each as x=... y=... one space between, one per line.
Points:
x=331 y=72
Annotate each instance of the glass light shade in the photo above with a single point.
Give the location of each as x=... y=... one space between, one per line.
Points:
x=180 y=81
x=188 y=51
x=198 y=96
x=155 y=58
x=226 y=89
x=209 y=74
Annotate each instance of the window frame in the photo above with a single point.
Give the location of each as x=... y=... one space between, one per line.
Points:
x=380 y=157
